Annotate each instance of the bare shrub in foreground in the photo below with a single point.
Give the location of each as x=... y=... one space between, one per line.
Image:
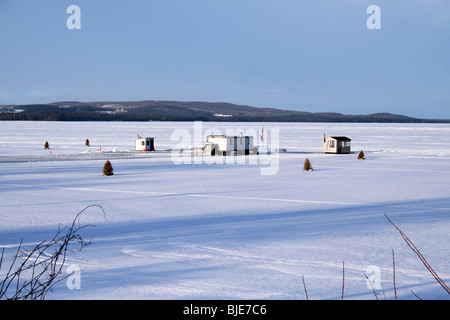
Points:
x=421 y=257
x=33 y=273
x=414 y=249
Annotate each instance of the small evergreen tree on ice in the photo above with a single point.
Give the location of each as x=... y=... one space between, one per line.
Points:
x=361 y=155
x=108 y=169
x=307 y=165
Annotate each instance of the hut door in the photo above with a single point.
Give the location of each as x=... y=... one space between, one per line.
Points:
x=152 y=145
x=339 y=146
x=247 y=145
x=235 y=144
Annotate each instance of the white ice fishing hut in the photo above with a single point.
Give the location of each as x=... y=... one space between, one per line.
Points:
x=336 y=144
x=220 y=145
x=145 y=144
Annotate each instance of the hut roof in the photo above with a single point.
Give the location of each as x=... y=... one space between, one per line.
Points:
x=342 y=138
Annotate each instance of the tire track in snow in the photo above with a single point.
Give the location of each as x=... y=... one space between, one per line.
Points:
x=212 y=196
x=202 y=195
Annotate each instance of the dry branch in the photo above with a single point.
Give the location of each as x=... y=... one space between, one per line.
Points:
x=421 y=257
x=393 y=272
x=304 y=286
x=373 y=289
x=343 y=276
x=41 y=266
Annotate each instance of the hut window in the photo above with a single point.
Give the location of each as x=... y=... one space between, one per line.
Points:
x=143 y=143
x=148 y=142
x=332 y=144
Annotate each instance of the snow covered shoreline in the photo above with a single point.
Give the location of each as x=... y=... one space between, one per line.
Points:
x=224 y=231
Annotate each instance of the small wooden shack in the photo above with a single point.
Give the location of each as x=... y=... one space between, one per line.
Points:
x=336 y=144
x=145 y=144
x=220 y=145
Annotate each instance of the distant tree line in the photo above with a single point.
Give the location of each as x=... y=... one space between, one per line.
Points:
x=41 y=116
x=179 y=111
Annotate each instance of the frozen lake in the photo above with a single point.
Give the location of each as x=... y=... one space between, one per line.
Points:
x=226 y=230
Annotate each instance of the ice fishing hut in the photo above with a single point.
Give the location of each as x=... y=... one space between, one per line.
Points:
x=145 y=144
x=336 y=144
x=220 y=145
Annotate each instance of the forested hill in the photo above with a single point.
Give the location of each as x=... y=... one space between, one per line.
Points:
x=182 y=111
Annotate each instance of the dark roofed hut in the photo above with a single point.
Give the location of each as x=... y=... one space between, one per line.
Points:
x=337 y=144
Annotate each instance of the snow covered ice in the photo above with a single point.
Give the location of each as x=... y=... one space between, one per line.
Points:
x=224 y=230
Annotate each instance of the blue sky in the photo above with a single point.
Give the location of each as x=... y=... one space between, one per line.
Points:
x=314 y=56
